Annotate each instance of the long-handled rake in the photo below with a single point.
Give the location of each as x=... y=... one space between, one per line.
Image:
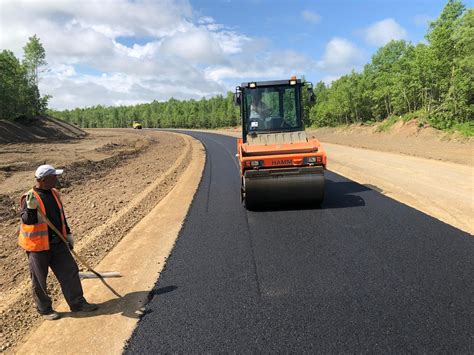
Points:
x=93 y=274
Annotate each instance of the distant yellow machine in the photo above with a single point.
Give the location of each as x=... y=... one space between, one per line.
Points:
x=137 y=125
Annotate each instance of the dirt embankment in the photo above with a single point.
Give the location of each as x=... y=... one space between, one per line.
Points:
x=403 y=138
x=108 y=176
x=38 y=129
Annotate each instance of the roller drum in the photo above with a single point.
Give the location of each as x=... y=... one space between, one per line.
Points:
x=303 y=185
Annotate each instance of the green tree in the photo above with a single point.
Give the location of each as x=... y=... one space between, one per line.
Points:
x=460 y=96
x=445 y=49
x=34 y=58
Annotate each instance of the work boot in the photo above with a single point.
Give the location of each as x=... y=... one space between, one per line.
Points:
x=53 y=315
x=84 y=307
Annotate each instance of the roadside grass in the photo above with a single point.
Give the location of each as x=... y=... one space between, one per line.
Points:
x=386 y=124
x=419 y=115
x=421 y=118
x=466 y=129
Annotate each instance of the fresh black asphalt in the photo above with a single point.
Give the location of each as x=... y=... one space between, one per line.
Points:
x=364 y=273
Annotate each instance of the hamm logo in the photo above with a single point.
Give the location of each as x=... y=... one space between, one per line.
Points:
x=282 y=162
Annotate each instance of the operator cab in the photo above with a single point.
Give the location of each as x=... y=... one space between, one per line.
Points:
x=270 y=106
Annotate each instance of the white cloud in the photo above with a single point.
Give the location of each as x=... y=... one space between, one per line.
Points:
x=340 y=56
x=119 y=89
x=311 y=17
x=382 y=32
x=197 y=46
x=266 y=65
x=147 y=50
x=62 y=70
x=107 y=18
x=113 y=52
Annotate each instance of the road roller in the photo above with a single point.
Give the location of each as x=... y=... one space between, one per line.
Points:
x=279 y=163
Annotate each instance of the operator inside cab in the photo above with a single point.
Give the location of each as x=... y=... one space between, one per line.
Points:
x=258 y=112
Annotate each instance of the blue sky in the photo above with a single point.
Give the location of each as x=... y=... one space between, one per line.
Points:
x=281 y=21
x=120 y=52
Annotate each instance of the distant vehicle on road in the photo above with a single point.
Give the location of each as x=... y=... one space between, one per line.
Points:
x=137 y=125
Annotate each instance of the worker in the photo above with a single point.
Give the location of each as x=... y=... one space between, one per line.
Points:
x=254 y=109
x=46 y=249
x=258 y=112
x=258 y=109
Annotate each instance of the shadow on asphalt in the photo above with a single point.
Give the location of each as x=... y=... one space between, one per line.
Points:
x=131 y=305
x=342 y=194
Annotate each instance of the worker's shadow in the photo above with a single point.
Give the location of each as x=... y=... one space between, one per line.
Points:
x=131 y=305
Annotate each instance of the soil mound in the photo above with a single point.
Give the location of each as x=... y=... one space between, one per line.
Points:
x=403 y=137
x=38 y=129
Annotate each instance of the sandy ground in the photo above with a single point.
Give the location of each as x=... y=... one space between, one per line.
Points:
x=108 y=186
x=424 y=168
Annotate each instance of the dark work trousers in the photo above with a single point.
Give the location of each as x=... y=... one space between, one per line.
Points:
x=60 y=260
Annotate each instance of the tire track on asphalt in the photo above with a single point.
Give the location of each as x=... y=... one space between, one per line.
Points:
x=233 y=157
x=208 y=161
x=249 y=233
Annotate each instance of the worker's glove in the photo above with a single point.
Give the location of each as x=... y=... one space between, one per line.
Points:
x=31 y=201
x=70 y=240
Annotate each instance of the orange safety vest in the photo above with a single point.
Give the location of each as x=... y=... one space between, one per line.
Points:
x=34 y=237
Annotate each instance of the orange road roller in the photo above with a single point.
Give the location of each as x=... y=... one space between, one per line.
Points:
x=278 y=162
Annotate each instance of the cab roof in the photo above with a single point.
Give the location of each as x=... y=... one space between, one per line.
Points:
x=269 y=83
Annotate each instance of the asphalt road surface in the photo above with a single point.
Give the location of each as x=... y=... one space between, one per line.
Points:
x=364 y=273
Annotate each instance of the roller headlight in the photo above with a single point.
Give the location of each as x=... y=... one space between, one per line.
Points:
x=313 y=160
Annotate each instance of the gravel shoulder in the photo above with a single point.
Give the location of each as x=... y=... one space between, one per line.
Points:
x=403 y=138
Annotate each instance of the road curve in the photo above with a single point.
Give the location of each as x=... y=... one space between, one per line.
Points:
x=364 y=273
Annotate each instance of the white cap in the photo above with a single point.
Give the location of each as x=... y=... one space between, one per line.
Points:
x=46 y=170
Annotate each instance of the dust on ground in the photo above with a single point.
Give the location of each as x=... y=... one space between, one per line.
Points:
x=104 y=171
